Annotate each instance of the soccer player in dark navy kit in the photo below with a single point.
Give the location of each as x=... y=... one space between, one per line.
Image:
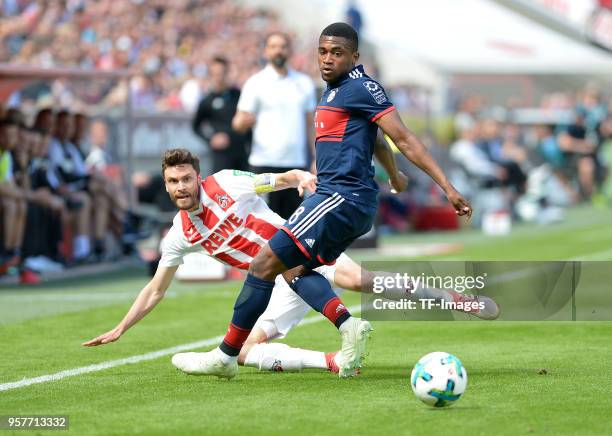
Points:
x=351 y=110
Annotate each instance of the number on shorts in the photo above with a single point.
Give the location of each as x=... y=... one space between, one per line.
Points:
x=293 y=218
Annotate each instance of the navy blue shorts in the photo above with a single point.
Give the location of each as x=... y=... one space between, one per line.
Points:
x=321 y=229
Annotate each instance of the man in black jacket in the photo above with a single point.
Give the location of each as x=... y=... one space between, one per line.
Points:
x=213 y=120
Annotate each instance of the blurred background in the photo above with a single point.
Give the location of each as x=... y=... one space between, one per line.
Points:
x=513 y=97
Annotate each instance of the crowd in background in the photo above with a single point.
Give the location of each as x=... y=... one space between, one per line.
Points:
x=528 y=167
x=58 y=204
x=164 y=44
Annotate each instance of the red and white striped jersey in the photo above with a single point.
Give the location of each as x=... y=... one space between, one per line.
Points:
x=231 y=224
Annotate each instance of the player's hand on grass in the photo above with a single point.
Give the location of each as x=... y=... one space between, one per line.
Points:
x=461 y=205
x=398 y=183
x=105 y=338
x=307 y=182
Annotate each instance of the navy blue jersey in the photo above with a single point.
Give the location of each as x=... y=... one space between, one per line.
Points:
x=346 y=131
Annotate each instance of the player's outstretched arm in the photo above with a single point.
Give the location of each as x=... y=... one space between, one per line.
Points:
x=302 y=180
x=147 y=299
x=417 y=153
x=384 y=155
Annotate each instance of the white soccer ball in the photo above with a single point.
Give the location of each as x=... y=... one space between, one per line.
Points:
x=438 y=379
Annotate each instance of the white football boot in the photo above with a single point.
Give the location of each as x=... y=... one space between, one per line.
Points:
x=209 y=363
x=355 y=333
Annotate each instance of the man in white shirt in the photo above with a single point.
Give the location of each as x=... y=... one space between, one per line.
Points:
x=278 y=103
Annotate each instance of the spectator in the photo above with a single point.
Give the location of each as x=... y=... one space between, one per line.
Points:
x=44 y=210
x=54 y=214
x=13 y=205
x=98 y=157
x=108 y=177
x=552 y=153
x=579 y=151
x=353 y=16
x=213 y=120
x=492 y=144
x=278 y=103
x=66 y=162
x=474 y=161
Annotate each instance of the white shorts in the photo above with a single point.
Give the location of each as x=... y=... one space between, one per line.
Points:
x=286 y=308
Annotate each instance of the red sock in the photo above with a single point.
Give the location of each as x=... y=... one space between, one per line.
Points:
x=335 y=311
x=234 y=340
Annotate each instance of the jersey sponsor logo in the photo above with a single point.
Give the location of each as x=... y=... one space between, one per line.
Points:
x=221 y=233
x=310 y=242
x=355 y=74
x=332 y=94
x=375 y=91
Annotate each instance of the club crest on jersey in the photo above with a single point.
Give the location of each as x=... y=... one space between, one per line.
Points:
x=222 y=200
x=332 y=94
x=375 y=91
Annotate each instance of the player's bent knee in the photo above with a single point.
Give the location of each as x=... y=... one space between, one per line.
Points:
x=266 y=265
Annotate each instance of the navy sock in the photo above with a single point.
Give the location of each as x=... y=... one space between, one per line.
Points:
x=250 y=304
x=317 y=292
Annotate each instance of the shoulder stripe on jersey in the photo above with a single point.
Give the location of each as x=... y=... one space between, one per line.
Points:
x=226 y=258
x=189 y=229
x=217 y=194
x=381 y=113
x=242 y=244
x=208 y=217
x=261 y=227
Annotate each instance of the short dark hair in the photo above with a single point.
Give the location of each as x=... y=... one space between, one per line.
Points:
x=220 y=60
x=343 y=30
x=179 y=156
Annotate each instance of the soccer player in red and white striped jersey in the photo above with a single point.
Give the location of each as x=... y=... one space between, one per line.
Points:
x=223 y=216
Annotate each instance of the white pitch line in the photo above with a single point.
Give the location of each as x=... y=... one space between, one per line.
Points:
x=135 y=359
x=66 y=297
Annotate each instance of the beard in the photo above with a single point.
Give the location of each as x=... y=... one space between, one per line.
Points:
x=188 y=202
x=279 y=61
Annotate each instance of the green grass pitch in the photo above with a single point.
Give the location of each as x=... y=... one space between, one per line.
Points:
x=41 y=331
